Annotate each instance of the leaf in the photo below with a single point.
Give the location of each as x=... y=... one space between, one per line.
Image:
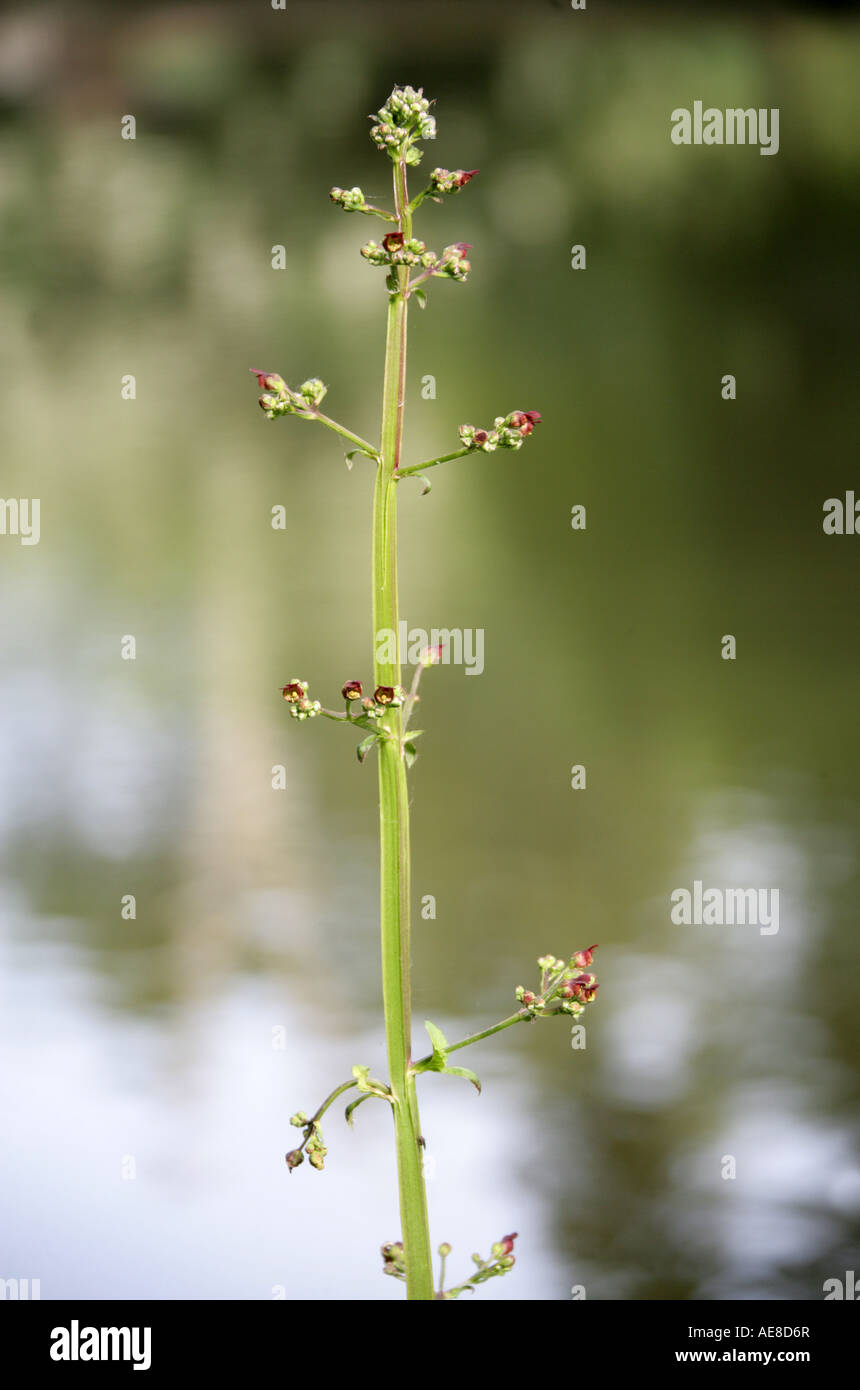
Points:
x=410 y=753
x=466 y=1075
x=365 y=746
x=351 y=455
x=421 y=297
x=427 y=486
x=347 y=1114
x=440 y=1047
x=369 y=1085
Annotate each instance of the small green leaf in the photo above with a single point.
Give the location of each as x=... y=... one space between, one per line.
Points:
x=427 y=486
x=440 y=1046
x=365 y=746
x=410 y=753
x=348 y=1112
x=421 y=297
x=466 y=1075
x=362 y=1076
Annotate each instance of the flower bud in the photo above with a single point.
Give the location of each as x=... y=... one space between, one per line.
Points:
x=294 y=1158
x=269 y=381
x=444 y=1250
x=299 y=1120
x=453 y=264
x=351 y=199
x=446 y=181
x=507 y=1243
x=352 y=690
x=523 y=420
x=313 y=391
x=585 y=958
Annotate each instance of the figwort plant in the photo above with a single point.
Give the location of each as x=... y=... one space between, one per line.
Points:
x=383 y=717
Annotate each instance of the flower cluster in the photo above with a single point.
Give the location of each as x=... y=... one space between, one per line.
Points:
x=373 y=706
x=397 y=250
x=350 y=199
x=453 y=263
x=448 y=181
x=295 y=693
x=565 y=986
x=502 y=1261
x=278 y=398
x=508 y=431
x=312 y=1143
x=392 y=1259
x=404 y=119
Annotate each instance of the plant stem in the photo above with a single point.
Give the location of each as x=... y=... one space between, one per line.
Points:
x=355 y=439
x=431 y=463
x=522 y=1017
x=395 y=888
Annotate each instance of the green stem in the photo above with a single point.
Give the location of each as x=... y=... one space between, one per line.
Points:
x=395 y=888
x=355 y=439
x=521 y=1017
x=431 y=463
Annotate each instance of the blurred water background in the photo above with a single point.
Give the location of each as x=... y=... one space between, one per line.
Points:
x=152 y=1039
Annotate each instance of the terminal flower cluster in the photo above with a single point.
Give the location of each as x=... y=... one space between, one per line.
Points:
x=566 y=986
x=404 y=119
x=278 y=399
x=508 y=431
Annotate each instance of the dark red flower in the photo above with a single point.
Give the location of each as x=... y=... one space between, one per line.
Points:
x=462 y=176
x=393 y=241
x=352 y=690
x=480 y=436
x=525 y=420
x=384 y=694
x=293 y=692
x=584 y=988
x=584 y=958
x=267 y=381
x=507 y=1243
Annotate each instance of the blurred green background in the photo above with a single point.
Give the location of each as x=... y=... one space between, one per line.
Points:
x=146 y=1046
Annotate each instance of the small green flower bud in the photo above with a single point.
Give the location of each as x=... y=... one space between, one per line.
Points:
x=313 y=391
x=444 y=181
x=299 y=1120
x=453 y=264
x=351 y=199
x=444 y=1250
